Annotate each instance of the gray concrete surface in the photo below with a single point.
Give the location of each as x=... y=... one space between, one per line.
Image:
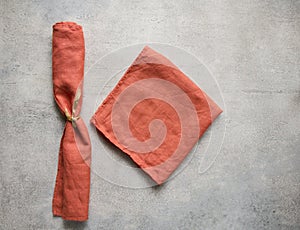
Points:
x=252 y=48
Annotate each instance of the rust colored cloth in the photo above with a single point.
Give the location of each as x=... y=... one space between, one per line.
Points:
x=72 y=187
x=155 y=114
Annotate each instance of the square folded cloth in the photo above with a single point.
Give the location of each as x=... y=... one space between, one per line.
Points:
x=155 y=114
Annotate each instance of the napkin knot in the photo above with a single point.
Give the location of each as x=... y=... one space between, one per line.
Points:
x=71 y=118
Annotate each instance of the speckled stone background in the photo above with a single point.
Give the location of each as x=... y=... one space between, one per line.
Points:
x=251 y=46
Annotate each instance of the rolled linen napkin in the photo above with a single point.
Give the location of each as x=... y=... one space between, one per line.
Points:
x=72 y=187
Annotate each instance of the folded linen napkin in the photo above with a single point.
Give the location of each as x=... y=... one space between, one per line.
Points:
x=155 y=114
x=72 y=187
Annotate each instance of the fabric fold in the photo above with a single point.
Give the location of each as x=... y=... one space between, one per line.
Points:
x=72 y=187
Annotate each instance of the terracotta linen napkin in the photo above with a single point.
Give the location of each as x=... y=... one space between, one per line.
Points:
x=72 y=187
x=155 y=114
